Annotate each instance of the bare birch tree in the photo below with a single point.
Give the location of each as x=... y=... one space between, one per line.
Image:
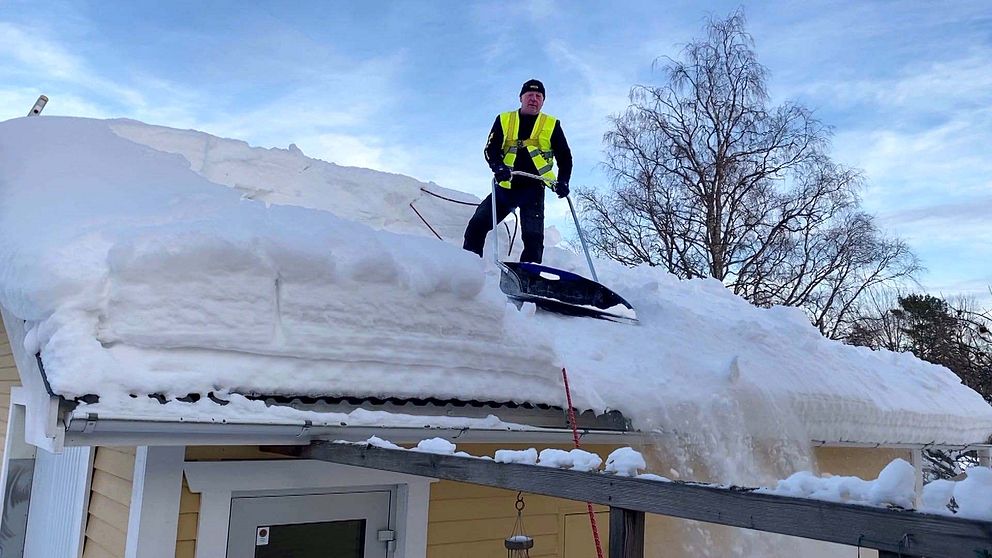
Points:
x=711 y=181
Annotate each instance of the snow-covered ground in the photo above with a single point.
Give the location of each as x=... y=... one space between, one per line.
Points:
x=151 y=260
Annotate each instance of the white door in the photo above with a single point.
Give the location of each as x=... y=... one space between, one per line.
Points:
x=309 y=526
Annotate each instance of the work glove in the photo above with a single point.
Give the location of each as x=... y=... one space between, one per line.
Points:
x=561 y=188
x=502 y=173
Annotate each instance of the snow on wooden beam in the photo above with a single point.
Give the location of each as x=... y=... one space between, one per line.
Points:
x=907 y=533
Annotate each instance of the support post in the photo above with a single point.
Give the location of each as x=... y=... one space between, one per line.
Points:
x=985 y=456
x=153 y=520
x=917 y=454
x=626 y=533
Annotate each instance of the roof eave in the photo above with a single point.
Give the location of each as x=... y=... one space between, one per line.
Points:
x=93 y=431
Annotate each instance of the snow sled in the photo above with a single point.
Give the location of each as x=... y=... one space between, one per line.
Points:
x=555 y=290
x=562 y=292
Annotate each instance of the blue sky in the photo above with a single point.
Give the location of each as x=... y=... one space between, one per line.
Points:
x=413 y=87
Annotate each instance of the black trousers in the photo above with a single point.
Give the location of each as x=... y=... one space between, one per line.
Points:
x=530 y=200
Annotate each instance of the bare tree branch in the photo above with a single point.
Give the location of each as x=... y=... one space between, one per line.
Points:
x=711 y=181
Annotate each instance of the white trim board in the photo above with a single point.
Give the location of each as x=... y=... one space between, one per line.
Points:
x=42 y=427
x=219 y=481
x=153 y=517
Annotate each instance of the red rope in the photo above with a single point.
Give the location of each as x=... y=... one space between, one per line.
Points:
x=575 y=438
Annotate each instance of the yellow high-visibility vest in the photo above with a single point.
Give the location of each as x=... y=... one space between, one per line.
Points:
x=537 y=146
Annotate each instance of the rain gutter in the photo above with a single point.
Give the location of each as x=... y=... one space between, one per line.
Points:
x=91 y=430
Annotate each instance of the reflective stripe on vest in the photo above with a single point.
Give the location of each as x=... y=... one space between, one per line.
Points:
x=537 y=146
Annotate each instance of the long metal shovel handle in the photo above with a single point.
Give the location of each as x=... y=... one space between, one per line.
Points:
x=495 y=230
x=575 y=218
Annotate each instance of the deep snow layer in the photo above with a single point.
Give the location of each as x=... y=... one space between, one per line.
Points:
x=151 y=260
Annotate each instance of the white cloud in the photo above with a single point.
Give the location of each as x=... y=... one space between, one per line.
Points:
x=920 y=134
x=541 y=11
x=941 y=160
x=26 y=47
x=33 y=54
x=975 y=212
x=337 y=112
x=345 y=150
x=928 y=86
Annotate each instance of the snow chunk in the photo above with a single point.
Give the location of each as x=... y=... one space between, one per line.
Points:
x=625 y=462
x=525 y=457
x=439 y=446
x=653 y=477
x=575 y=459
x=937 y=497
x=378 y=442
x=974 y=494
x=585 y=461
x=895 y=485
x=552 y=457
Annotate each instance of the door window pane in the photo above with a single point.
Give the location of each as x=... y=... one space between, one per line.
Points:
x=329 y=539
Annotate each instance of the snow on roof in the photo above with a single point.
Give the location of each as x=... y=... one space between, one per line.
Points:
x=151 y=260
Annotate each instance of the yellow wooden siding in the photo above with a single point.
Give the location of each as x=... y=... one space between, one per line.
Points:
x=110 y=500
x=4 y=413
x=226 y=453
x=865 y=463
x=8 y=369
x=471 y=520
x=94 y=550
x=189 y=510
x=577 y=535
x=8 y=379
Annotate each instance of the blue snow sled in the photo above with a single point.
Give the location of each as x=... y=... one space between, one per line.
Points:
x=555 y=290
x=562 y=292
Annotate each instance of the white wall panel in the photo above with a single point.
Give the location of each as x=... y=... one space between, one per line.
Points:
x=59 y=498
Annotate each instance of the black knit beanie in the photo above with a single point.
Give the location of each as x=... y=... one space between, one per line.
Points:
x=532 y=85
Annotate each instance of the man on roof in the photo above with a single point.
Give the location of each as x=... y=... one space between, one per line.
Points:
x=530 y=141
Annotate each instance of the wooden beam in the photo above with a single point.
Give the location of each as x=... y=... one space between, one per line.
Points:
x=907 y=533
x=626 y=533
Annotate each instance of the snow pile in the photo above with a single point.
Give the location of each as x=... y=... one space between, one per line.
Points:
x=625 y=462
x=895 y=485
x=525 y=457
x=150 y=260
x=439 y=446
x=972 y=497
x=576 y=459
x=378 y=442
